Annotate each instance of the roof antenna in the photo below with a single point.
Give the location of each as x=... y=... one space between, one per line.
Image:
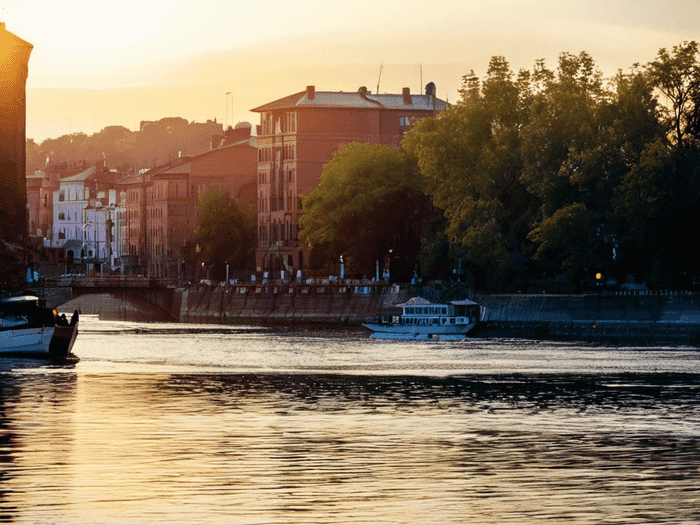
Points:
x=380 y=76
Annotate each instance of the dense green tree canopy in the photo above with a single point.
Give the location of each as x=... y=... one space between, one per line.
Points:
x=368 y=200
x=225 y=231
x=551 y=164
x=658 y=198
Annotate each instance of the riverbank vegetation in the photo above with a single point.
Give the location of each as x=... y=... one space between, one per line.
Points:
x=548 y=172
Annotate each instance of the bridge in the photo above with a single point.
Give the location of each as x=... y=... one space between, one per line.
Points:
x=115 y=297
x=133 y=298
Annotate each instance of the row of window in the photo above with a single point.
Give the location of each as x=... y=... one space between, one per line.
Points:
x=72 y=195
x=264 y=176
x=285 y=203
x=280 y=123
x=277 y=232
x=426 y=310
x=288 y=152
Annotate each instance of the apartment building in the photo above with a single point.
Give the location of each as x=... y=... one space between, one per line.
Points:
x=160 y=208
x=299 y=134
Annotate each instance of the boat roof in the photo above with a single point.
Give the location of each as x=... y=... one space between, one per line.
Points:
x=19 y=299
x=464 y=302
x=413 y=301
x=419 y=301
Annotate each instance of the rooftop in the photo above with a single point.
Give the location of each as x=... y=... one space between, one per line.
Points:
x=312 y=98
x=84 y=175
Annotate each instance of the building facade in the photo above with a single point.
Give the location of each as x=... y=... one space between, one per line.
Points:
x=86 y=221
x=14 y=68
x=160 y=210
x=298 y=135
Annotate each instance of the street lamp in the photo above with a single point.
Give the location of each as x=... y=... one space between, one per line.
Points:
x=389 y=269
x=227 y=94
x=342 y=268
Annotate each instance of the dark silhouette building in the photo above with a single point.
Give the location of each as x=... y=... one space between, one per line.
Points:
x=14 y=60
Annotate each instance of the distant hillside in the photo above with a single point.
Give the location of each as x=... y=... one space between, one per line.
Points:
x=155 y=143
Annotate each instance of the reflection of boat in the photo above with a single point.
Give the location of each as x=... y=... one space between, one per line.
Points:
x=27 y=328
x=423 y=320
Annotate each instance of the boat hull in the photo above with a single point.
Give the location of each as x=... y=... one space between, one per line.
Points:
x=28 y=328
x=420 y=333
x=63 y=340
x=35 y=341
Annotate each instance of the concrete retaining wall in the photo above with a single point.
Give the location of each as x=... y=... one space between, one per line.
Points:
x=286 y=304
x=646 y=319
x=566 y=308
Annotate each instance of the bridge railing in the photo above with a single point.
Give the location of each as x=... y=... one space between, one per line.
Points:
x=115 y=281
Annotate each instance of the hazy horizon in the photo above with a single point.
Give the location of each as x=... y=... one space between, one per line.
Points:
x=96 y=65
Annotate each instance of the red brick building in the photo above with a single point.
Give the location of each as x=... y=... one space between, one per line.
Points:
x=160 y=211
x=299 y=134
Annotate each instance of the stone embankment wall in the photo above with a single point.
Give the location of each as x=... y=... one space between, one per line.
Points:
x=650 y=318
x=287 y=304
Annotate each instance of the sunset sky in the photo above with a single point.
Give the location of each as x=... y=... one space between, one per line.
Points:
x=96 y=64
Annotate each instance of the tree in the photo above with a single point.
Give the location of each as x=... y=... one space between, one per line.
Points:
x=565 y=237
x=659 y=196
x=677 y=76
x=368 y=201
x=470 y=161
x=226 y=231
x=519 y=155
x=563 y=118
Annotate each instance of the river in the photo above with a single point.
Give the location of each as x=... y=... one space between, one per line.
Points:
x=172 y=423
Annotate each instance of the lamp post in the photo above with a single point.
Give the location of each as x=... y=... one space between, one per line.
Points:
x=227 y=94
x=342 y=268
x=389 y=269
x=226 y=273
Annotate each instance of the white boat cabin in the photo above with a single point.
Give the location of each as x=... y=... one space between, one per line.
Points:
x=419 y=312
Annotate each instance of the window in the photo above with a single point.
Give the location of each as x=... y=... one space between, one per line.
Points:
x=291 y=121
x=404 y=121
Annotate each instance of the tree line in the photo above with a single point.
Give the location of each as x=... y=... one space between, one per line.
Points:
x=156 y=143
x=543 y=172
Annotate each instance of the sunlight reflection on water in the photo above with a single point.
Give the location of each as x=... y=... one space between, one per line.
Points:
x=173 y=424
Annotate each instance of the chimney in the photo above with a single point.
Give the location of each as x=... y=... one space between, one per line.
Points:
x=407 y=96
x=310 y=92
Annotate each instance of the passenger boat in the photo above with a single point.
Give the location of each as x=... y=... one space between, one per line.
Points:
x=29 y=329
x=422 y=320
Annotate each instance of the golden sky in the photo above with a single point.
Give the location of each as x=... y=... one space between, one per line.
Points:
x=96 y=64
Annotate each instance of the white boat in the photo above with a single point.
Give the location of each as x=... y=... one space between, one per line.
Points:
x=29 y=329
x=422 y=320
